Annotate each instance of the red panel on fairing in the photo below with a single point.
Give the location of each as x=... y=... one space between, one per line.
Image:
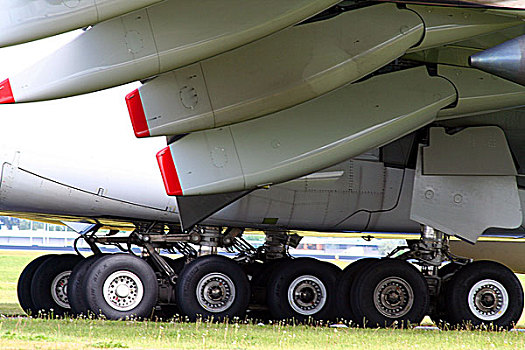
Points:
x=6 y=94
x=136 y=113
x=169 y=172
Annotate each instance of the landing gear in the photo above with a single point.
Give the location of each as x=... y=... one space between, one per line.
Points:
x=76 y=290
x=267 y=282
x=346 y=281
x=485 y=293
x=213 y=287
x=388 y=292
x=120 y=286
x=24 y=285
x=303 y=288
x=49 y=284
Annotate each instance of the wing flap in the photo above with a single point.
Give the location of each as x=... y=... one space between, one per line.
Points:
x=308 y=137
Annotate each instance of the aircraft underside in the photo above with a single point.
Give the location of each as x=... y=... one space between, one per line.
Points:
x=292 y=115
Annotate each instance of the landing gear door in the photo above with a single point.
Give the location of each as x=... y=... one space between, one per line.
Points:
x=465 y=183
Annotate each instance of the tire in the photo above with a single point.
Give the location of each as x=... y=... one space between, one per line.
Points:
x=385 y=278
x=164 y=311
x=485 y=293
x=49 y=284
x=302 y=289
x=213 y=274
x=23 y=288
x=344 y=287
x=440 y=315
x=260 y=274
x=123 y=274
x=76 y=290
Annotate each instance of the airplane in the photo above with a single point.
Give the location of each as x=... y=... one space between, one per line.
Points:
x=326 y=115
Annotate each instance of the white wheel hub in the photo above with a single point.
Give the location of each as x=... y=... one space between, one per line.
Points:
x=215 y=292
x=307 y=295
x=123 y=290
x=59 y=289
x=488 y=300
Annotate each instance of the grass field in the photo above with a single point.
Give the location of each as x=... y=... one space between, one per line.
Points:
x=24 y=333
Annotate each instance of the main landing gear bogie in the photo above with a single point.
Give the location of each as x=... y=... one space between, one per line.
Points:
x=267 y=283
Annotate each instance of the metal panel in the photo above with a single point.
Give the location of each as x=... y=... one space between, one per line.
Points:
x=465 y=206
x=450 y=25
x=289 y=67
x=473 y=151
x=479 y=92
x=310 y=136
x=165 y=36
x=23 y=21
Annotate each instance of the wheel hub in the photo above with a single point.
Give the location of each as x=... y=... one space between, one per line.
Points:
x=393 y=297
x=123 y=290
x=488 y=300
x=307 y=295
x=59 y=289
x=216 y=292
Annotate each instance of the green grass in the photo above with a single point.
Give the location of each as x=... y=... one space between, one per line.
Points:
x=25 y=333
x=79 y=334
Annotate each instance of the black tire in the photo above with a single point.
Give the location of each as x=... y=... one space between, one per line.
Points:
x=229 y=300
x=440 y=315
x=260 y=273
x=382 y=277
x=137 y=280
x=23 y=288
x=76 y=290
x=344 y=287
x=482 y=311
x=293 y=293
x=49 y=284
x=164 y=311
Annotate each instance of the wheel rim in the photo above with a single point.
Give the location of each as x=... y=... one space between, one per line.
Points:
x=307 y=295
x=393 y=297
x=216 y=292
x=488 y=300
x=59 y=289
x=123 y=290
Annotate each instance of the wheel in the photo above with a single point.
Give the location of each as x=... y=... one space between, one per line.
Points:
x=440 y=313
x=49 y=284
x=302 y=288
x=344 y=286
x=76 y=290
x=389 y=291
x=24 y=285
x=213 y=286
x=121 y=286
x=485 y=293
